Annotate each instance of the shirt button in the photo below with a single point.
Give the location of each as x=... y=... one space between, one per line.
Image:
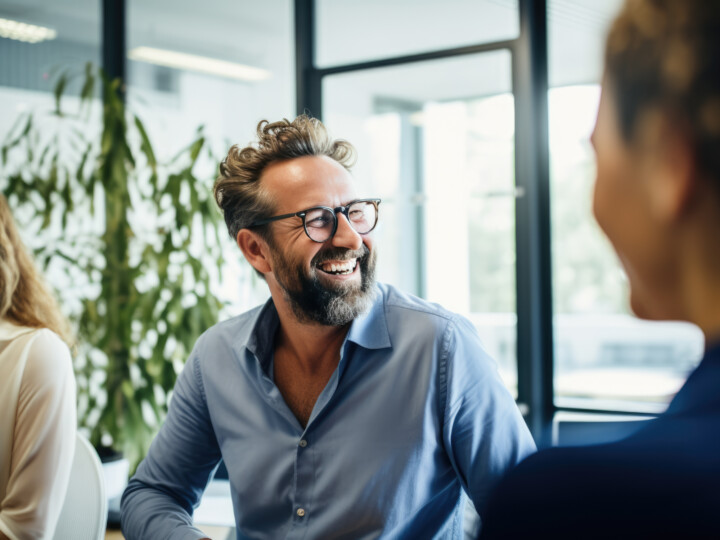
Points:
x=302 y=443
x=300 y=512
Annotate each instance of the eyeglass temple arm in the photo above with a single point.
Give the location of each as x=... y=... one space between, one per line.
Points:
x=274 y=218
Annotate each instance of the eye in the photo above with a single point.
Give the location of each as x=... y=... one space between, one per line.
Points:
x=356 y=215
x=318 y=222
x=359 y=212
x=318 y=219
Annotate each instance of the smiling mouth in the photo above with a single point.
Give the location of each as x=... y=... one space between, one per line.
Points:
x=338 y=268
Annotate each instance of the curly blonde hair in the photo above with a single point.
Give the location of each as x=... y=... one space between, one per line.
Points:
x=238 y=191
x=24 y=297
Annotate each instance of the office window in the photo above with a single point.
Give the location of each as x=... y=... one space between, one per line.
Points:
x=43 y=42
x=39 y=41
x=604 y=357
x=235 y=70
x=349 y=31
x=436 y=142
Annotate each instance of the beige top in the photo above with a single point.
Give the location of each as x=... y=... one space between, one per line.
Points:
x=37 y=430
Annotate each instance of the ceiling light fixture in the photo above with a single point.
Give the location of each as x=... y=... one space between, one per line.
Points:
x=203 y=64
x=28 y=33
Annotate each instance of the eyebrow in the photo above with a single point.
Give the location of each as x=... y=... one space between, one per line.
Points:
x=330 y=205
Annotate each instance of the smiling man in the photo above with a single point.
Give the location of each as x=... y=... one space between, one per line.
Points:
x=342 y=408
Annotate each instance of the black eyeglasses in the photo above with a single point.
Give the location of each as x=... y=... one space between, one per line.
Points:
x=320 y=222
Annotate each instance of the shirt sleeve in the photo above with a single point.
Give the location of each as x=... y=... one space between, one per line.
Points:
x=483 y=432
x=43 y=444
x=160 y=498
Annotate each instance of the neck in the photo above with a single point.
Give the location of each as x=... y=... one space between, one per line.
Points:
x=702 y=306
x=700 y=280
x=314 y=347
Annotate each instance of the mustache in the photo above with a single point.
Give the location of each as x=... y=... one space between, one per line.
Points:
x=340 y=254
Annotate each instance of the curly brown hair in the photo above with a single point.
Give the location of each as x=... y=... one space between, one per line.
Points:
x=24 y=297
x=238 y=190
x=665 y=55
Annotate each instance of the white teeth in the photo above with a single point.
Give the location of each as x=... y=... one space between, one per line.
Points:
x=345 y=267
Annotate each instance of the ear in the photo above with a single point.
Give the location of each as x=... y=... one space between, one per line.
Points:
x=255 y=250
x=671 y=175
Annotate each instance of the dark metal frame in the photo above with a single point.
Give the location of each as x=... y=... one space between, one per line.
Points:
x=532 y=221
x=308 y=83
x=114 y=57
x=532 y=216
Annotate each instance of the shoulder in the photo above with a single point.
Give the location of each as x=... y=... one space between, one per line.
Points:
x=48 y=360
x=427 y=322
x=556 y=463
x=407 y=308
x=583 y=477
x=402 y=303
x=229 y=332
x=548 y=489
x=47 y=380
x=640 y=490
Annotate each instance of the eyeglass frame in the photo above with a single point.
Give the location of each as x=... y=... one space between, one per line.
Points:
x=342 y=209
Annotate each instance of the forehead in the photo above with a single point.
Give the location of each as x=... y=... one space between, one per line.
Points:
x=308 y=181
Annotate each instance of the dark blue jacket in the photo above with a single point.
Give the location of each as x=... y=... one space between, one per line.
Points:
x=661 y=482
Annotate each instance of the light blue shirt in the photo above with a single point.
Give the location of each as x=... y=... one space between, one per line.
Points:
x=414 y=413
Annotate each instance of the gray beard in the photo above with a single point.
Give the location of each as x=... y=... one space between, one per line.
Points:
x=313 y=302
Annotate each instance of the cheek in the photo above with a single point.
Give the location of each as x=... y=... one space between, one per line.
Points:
x=306 y=258
x=599 y=202
x=369 y=242
x=623 y=212
x=618 y=203
x=607 y=196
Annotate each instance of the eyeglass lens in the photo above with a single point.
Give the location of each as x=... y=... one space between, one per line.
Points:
x=320 y=222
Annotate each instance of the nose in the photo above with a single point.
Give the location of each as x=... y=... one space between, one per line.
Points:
x=345 y=235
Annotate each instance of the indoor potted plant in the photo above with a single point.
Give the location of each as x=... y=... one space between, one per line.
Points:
x=131 y=244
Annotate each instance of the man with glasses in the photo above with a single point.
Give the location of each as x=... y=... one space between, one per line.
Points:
x=342 y=407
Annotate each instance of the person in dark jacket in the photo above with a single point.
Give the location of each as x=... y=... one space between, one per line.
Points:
x=657 y=198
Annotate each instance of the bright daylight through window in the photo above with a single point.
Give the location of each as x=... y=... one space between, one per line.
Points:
x=604 y=357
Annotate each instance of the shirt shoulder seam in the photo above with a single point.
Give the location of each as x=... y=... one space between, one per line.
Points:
x=443 y=371
x=198 y=373
x=448 y=316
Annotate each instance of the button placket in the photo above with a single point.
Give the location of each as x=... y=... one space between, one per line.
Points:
x=303 y=484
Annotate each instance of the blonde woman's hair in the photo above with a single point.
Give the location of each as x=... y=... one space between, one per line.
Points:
x=24 y=297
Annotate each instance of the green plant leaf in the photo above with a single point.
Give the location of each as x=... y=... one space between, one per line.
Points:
x=21 y=136
x=195 y=148
x=146 y=145
x=59 y=90
x=88 y=88
x=80 y=176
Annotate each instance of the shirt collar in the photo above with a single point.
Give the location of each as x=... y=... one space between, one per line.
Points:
x=368 y=330
x=260 y=339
